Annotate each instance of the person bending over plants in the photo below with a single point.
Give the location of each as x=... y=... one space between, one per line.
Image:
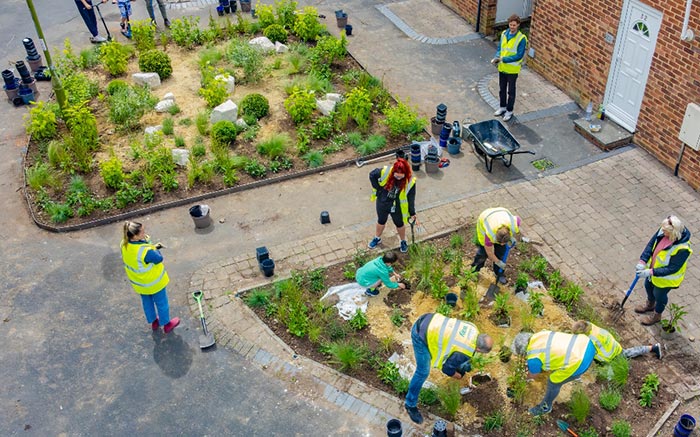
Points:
x=377 y=272
x=495 y=228
x=607 y=348
x=443 y=343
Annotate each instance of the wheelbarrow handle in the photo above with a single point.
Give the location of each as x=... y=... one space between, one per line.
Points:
x=517 y=152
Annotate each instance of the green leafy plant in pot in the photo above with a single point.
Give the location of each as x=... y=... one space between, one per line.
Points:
x=676 y=313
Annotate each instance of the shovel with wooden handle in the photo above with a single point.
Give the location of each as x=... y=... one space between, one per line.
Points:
x=206 y=339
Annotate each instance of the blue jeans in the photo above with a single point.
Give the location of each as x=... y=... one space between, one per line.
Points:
x=88 y=16
x=657 y=294
x=160 y=301
x=422 y=354
x=553 y=388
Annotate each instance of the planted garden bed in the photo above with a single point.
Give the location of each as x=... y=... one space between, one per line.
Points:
x=93 y=158
x=609 y=401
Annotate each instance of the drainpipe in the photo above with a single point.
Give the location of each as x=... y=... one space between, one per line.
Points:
x=687 y=35
x=478 y=15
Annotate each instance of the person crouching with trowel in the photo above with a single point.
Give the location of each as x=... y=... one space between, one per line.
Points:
x=495 y=228
x=444 y=343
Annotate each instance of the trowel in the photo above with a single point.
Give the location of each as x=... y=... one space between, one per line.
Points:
x=206 y=339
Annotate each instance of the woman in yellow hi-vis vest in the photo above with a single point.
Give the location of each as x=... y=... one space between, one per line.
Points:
x=394 y=193
x=663 y=264
x=143 y=263
x=607 y=347
x=566 y=356
x=443 y=343
x=509 y=57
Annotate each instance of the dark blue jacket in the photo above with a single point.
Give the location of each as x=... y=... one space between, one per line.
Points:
x=676 y=261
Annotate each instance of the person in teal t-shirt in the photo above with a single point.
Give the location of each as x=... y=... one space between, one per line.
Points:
x=378 y=272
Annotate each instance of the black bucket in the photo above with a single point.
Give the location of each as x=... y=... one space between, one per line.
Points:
x=325 y=217
x=268 y=267
x=348 y=29
x=393 y=428
x=415 y=156
x=200 y=215
x=451 y=299
x=440 y=429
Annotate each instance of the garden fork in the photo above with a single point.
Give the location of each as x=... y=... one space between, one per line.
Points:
x=619 y=311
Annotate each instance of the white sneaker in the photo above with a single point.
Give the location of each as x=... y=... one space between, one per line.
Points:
x=499 y=112
x=508 y=116
x=97 y=39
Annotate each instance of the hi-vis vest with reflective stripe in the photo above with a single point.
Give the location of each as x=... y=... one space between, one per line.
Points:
x=403 y=197
x=446 y=336
x=510 y=48
x=491 y=220
x=559 y=352
x=145 y=278
x=605 y=344
x=662 y=259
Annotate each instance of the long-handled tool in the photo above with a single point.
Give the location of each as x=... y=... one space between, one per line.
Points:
x=565 y=427
x=493 y=288
x=207 y=339
x=619 y=311
x=412 y=222
x=109 y=35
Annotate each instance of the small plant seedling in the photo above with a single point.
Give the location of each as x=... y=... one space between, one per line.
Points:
x=649 y=389
x=359 y=320
x=388 y=372
x=676 y=314
x=494 y=421
x=397 y=317
x=543 y=164
x=621 y=428
x=579 y=405
x=609 y=398
x=444 y=309
x=450 y=398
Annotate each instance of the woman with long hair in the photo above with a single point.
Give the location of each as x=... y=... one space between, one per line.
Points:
x=394 y=191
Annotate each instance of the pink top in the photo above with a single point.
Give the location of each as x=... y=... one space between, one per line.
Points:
x=663 y=244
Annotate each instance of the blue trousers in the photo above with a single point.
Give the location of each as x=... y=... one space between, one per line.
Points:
x=88 y=16
x=158 y=301
x=657 y=294
x=422 y=354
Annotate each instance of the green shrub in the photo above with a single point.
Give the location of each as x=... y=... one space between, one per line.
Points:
x=143 y=33
x=323 y=128
x=223 y=134
x=444 y=309
x=83 y=139
x=403 y=120
x=127 y=106
x=209 y=57
x=79 y=88
x=168 y=126
x=355 y=139
x=357 y=106
x=286 y=12
x=174 y=110
x=255 y=105
x=156 y=61
x=115 y=57
x=258 y=298
x=199 y=150
x=275 y=32
x=579 y=405
x=401 y=386
x=397 y=318
x=494 y=421
x=59 y=212
x=202 y=123
x=327 y=50
x=185 y=32
x=371 y=145
x=428 y=396
x=41 y=121
x=648 y=390
x=89 y=58
x=266 y=14
x=307 y=27
x=243 y=55
x=590 y=432
x=300 y=105
x=214 y=93
x=568 y=295
x=349 y=356
x=275 y=146
x=112 y=172
x=313 y=159
x=255 y=169
x=536 y=266
x=358 y=320
x=179 y=141
x=615 y=372
x=534 y=299
x=58 y=155
x=621 y=428
x=450 y=398
x=115 y=85
x=40 y=175
x=609 y=398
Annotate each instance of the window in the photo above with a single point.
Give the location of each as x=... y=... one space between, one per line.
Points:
x=642 y=28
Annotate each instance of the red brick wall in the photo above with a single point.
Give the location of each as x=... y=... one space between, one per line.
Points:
x=570 y=51
x=467 y=9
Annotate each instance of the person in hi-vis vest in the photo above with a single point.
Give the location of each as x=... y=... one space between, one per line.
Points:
x=663 y=264
x=495 y=228
x=443 y=343
x=143 y=263
x=607 y=347
x=509 y=57
x=566 y=356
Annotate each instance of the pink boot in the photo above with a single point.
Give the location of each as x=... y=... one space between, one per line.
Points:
x=171 y=324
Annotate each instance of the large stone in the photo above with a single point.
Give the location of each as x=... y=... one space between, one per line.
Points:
x=263 y=43
x=227 y=80
x=150 y=130
x=325 y=106
x=333 y=96
x=241 y=123
x=281 y=48
x=181 y=157
x=150 y=79
x=171 y=96
x=225 y=111
x=164 y=105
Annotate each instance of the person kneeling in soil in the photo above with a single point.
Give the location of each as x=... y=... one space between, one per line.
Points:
x=378 y=272
x=567 y=356
x=444 y=343
x=607 y=348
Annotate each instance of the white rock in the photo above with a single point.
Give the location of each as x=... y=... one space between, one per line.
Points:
x=225 y=111
x=164 y=105
x=281 y=48
x=169 y=96
x=150 y=130
x=333 y=96
x=325 y=106
x=150 y=79
x=228 y=80
x=241 y=123
x=263 y=43
x=181 y=157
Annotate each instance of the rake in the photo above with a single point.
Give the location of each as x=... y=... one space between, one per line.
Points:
x=619 y=311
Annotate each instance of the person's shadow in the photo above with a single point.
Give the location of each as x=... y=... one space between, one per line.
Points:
x=171 y=353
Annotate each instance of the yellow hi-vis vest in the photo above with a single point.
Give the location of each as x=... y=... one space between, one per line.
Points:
x=510 y=48
x=491 y=220
x=445 y=336
x=559 y=352
x=145 y=278
x=403 y=197
x=662 y=259
x=605 y=344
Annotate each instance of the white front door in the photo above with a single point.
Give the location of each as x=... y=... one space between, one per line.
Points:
x=634 y=49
